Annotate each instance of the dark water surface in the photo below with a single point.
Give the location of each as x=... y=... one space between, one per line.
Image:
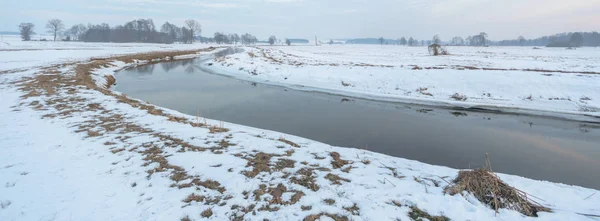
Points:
x=535 y=147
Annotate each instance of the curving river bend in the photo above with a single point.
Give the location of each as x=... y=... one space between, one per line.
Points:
x=535 y=147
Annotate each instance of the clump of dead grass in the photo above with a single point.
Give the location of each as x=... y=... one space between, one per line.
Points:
x=207 y=213
x=110 y=81
x=288 y=142
x=218 y=128
x=337 y=161
x=335 y=217
x=335 y=179
x=193 y=198
x=417 y=214
x=306 y=178
x=459 y=97
x=260 y=163
x=490 y=190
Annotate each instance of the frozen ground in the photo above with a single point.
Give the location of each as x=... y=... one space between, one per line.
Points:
x=546 y=81
x=72 y=150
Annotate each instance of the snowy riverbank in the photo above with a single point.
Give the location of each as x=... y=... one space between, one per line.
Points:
x=73 y=150
x=548 y=81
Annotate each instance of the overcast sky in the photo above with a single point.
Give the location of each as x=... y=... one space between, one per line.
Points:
x=501 y=19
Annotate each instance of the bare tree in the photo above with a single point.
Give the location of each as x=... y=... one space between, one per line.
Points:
x=171 y=30
x=288 y=42
x=436 y=40
x=26 y=30
x=411 y=41
x=194 y=28
x=403 y=41
x=458 y=41
x=576 y=39
x=236 y=38
x=54 y=26
x=77 y=31
x=521 y=40
x=483 y=37
x=381 y=40
x=272 y=40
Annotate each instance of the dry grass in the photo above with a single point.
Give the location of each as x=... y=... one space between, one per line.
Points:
x=207 y=213
x=417 y=214
x=217 y=129
x=423 y=91
x=284 y=163
x=329 y=201
x=305 y=208
x=436 y=50
x=459 y=97
x=335 y=179
x=186 y=218
x=337 y=161
x=354 y=210
x=110 y=81
x=335 y=217
x=492 y=191
x=306 y=178
x=288 y=142
x=259 y=164
x=193 y=198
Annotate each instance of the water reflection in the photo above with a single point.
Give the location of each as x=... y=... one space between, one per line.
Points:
x=540 y=148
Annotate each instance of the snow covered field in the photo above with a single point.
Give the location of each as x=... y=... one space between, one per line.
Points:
x=72 y=150
x=546 y=81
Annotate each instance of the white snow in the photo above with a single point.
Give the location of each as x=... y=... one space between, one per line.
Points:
x=49 y=171
x=515 y=79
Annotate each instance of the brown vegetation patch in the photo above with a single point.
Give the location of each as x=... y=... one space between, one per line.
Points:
x=216 y=129
x=354 y=210
x=335 y=179
x=193 y=198
x=207 y=213
x=306 y=178
x=259 y=163
x=335 y=217
x=117 y=150
x=492 y=191
x=417 y=214
x=209 y=184
x=110 y=81
x=305 y=208
x=329 y=201
x=288 y=142
x=337 y=161
x=284 y=163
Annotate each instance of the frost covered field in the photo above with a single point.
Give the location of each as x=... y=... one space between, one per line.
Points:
x=72 y=149
x=545 y=81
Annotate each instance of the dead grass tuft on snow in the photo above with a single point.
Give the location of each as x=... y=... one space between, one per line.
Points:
x=288 y=142
x=305 y=177
x=337 y=161
x=418 y=215
x=490 y=190
x=335 y=217
x=207 y=213
x=335 y=179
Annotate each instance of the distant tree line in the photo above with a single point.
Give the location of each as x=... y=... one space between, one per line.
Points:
x=222 y=38
x=573 y=39
x=139 y=30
